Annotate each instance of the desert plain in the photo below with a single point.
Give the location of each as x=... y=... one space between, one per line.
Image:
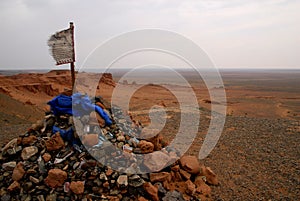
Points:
x=257 y=156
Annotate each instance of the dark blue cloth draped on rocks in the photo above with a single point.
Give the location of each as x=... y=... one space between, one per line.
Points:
x=76 y=105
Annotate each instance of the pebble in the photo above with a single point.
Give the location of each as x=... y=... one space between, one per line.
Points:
x=9 y=165
x=34 y=180
x=28 y=152
x=122 y=181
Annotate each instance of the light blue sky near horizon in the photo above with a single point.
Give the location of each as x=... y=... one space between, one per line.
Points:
x=235 y=34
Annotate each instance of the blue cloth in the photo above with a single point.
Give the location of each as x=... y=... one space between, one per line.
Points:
x=67 y=135
x=77 y=105
x=61 y=104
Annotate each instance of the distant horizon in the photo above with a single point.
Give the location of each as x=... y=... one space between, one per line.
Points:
x=176 y=68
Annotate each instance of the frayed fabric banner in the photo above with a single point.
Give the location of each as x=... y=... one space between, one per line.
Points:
x=62 y=46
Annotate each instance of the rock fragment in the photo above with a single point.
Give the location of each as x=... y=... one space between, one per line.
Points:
x=28 y=152
x=18 y=172
x=55 y=178
x=55 y=142
x=156 y=161
x=90 y=140
x=152 y=191
x=77 y=187
x=190 y=164
x=146 y=147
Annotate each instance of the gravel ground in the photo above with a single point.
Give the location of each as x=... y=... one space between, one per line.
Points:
x=257 y=159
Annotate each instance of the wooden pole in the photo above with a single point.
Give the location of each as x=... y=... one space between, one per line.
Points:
x=72 y=63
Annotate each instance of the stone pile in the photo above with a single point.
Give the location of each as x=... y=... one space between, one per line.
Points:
x=116 y=162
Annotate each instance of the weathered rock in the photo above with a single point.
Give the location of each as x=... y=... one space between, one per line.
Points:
x=190 y=187
x=96 y=119
x=121 y=138
x=102 y=176
x=211 y=177
x=201 y=186
x=34 y=180
x=9 y=165
x=14 y=186
x=90 y=140
x=46 y=157
x=136 y=181
x=29 y=140
x=153 y=136
x=174 y=196
x=141 y=198
x=122 y=181
x=109 y=172
x=152 y=191
x=10 y=144
x=185 y=174
x=55 y=178
x=77 y=187
x=146 y=147
x=51 y=197
x=18 y=172
x=28 y=152
x=156 y=161
x=55 y=142
x=27 y=186
x=159 y=177
x=190 y=164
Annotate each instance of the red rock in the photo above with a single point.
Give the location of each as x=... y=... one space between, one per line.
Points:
x=77 y=187
x=106 y=184
x=46 y=157
x=153 y=136
x=56 y=178
x=211 y=177
x=109 y=172
x=19 y=141
x=18 y=172
x=29 y=140
x=202 y=187
x=15 y=185
x=146 y=147
x=107 y=79
x=151 y=190
x=185 y=174
x=190 y=187
x=176 y=176
x=178 y=185
x=55 y=142
x=190 y=164
x=96 y=119
x=90 y=139
x=156 y=161
x=160 y=176
x=142 y=199
x=175 y=168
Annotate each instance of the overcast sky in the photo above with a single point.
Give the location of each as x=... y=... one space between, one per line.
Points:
x=234 y=33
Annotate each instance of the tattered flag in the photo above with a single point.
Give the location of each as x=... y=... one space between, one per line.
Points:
x=62 y=46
